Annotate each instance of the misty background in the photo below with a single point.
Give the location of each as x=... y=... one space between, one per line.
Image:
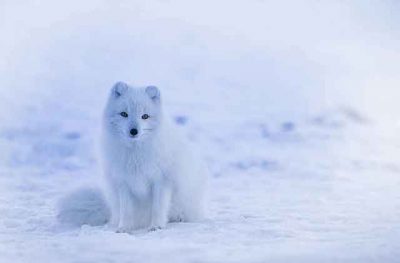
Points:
x=292 y=58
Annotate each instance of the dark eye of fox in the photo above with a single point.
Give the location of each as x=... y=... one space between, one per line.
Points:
x=124 y=114
x=145 y=116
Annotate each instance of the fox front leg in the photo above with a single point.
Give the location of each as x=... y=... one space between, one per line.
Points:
x=126 y=211
x=161 y=199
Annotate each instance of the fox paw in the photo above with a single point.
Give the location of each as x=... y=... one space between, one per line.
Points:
x=154 y=228
x=127 y=230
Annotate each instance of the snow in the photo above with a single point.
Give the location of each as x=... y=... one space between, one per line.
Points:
x=294 y=109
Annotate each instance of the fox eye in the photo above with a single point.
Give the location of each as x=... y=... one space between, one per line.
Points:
x=145 y=116
x=124 y=114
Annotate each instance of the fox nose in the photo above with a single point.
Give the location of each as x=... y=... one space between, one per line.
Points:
x=133 y=132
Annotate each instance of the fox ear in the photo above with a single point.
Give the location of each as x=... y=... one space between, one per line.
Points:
x=119 y=89
x=153 y=92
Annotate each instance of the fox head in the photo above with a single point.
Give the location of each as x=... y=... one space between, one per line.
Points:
x=132 y=113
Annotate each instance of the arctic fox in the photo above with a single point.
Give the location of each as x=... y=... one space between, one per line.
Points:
x=151 y=177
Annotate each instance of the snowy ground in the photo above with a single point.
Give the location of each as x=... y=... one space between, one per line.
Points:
x=298 y=131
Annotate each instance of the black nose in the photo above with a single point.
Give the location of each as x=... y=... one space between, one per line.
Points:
x=134 y=132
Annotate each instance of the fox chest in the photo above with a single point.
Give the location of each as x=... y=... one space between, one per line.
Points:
x=140 y=176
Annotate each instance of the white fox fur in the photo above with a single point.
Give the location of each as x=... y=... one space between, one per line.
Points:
x=151 y=177
x=85 y=206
